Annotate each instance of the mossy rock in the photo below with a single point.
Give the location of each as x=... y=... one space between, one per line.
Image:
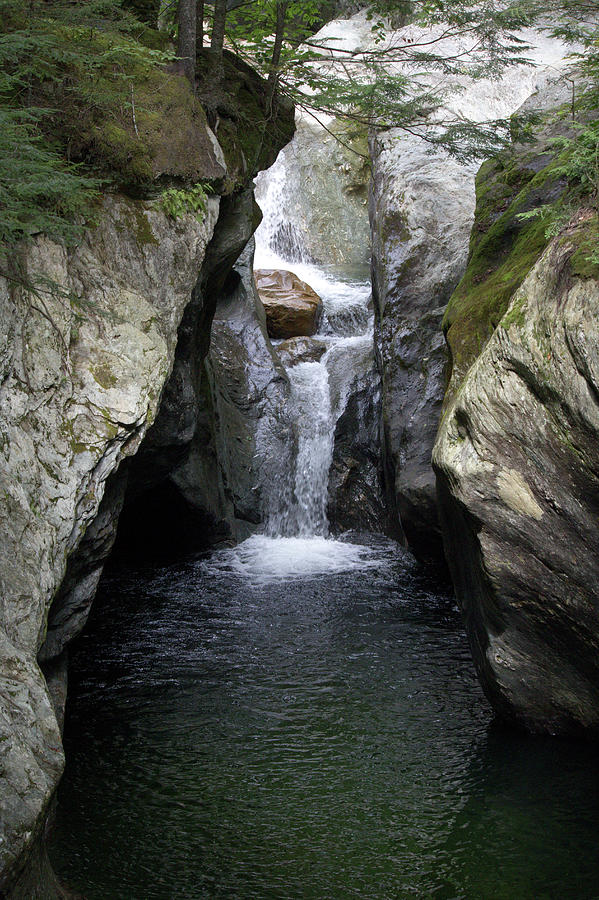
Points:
x=584 y=261
x=167 y=137
x=236 y=104
x=127 y=117
x=503 y=246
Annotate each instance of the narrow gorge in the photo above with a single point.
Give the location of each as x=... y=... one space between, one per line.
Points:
x=299 y=493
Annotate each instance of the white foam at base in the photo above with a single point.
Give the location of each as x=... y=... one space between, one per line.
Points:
x=262 y=558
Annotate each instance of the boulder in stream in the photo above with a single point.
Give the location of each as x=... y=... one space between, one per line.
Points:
x=292 y=308
x=300 y=349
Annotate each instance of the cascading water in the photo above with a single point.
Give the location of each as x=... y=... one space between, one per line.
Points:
x=312 y=402
x=319 y=389
x=296 y=539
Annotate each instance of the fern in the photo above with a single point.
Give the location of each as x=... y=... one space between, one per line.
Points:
x=176 y=202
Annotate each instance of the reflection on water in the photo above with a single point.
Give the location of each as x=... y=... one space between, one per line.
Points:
x=239 y=728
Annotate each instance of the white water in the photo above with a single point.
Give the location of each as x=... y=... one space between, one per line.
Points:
x=319 y=390
x=297 y=542
x=262 y=559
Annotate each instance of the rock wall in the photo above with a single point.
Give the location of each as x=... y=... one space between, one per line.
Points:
x=250 y=447
x=83 y=371
x=356 y=500
x=321 y=191
x=81 y=376
x=518 y=470
x=515 y=455
x=421 y=212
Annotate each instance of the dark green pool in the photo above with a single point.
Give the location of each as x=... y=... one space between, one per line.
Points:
x=234 y=734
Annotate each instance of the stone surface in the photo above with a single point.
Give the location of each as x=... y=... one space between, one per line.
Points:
x=250 y=391
x=196 y=479
x=506 y=240
x=319 y=187
x=518 y=461
x=300 y=349
x=292 y=308
x=421 y=211
x=80 y=379
x=242 y=434
x=356 y=499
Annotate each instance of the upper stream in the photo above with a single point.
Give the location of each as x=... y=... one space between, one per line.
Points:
x=298 y=717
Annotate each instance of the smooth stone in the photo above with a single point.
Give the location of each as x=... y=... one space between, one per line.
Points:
x=292 y=308
x=517 y=458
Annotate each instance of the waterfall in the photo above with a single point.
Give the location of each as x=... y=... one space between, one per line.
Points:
x=319 y=390
x=280 y=235
x=312 y=407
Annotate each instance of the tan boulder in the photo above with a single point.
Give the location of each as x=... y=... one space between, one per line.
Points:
x=292 y=308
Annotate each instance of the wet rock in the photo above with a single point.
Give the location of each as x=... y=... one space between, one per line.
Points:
x=517 y=461
x=72 y=603
x=300 y=349
x=248 y=423
x=197 y=478
x=292 y=308
x=319 y=187
x=356 y=499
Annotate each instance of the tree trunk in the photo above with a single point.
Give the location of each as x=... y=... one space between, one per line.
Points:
x=218 y=25
x=273 y=75
x=199 y=24
x=186 y=42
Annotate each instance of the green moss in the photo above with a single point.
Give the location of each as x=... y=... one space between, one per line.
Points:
x=112 y=148
x=143 y=230
x=584 y=261
x=395 y=228
x=503 y=248
x=78 y=447
x=103 y=376
x=516 y=315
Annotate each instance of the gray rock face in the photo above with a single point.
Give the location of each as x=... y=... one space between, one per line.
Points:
x=80 y=381
x=223 y=416
x=190 y=509
x=242 y=436
x=71 y=605
x=421 y=213
x=320 y=191
x=250 y=390
x=355 y=480
x=517 y=460
x=300 y=349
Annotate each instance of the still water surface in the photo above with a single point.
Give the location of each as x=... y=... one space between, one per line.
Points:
x=301 y=720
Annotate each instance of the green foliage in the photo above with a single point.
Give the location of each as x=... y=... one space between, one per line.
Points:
x=578 y=164
x=581 y=158
x=382 y=86
x=64 y=69
x=177 y=202
x=39 y=190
